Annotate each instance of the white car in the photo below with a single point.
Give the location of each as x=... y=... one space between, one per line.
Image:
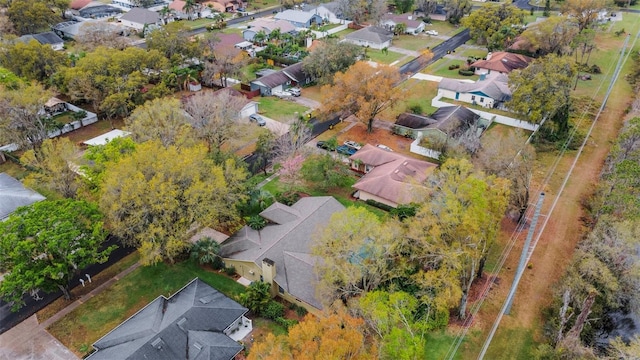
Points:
x=352 y=144
x=281 y=94
x=431 y=32
x=384 y=147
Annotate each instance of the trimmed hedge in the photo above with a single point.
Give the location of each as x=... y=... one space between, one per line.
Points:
x=465 y=72
x=379 y=205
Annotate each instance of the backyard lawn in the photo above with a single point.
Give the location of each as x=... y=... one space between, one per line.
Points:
x=93 y=319
x=417 y=93
x=441 y=68
x=415 y=42
x=278 y=109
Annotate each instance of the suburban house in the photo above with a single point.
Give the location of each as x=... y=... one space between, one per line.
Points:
x=292 y=75
x=414 y=26
x=299 y=18
x=446 y=122
x=197 y=322
x=249 y=107
x=501 y=62
x=267 y=26
x=198 y=11
x=224 y=5
x=138 y=18
x=280 y=253
x=389 y=178
x=329 y=12
x=78 y=4
x=47 y=38
x=371 y=36
x=491 y=92
x=15 y=195
x=129 y=4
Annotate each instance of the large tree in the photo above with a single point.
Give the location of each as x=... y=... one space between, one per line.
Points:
x=153 y=196
x=362 y=90
x=215 y=118
x=551 y=36
x=585 y=11
x=43 y=246
x=174 y=42
x=354 y=247
x=449 y=238
x=53 y=168
x=100 y=33
x=221 y=62
x=542 y=88
x=487 y=20
x=33 y=16
x=32 y=60
x=21 y=118
x=329 y=58
x=98 y=157
x=116 y=78
x=336 y=335
x=456 y=10
x=160 y=119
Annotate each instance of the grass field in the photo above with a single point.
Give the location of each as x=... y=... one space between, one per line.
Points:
x=343 y=33
x=198 y=23
x=417 y=93
x=415 y=42
x=383 y=58
x=93 y=319
x=441 y=68
x=278 y=109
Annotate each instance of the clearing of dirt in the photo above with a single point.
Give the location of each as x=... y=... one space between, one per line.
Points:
x=359 y=134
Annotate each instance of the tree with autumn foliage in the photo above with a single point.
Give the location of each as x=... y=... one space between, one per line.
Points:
x=363 y=90
x=331 y=337
x=151 y=197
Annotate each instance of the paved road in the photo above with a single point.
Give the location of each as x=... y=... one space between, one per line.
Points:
x=417 y=64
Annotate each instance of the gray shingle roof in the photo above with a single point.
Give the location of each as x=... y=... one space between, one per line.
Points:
x=372 y=34
x=48 y=37
x=170 y=328
x=298 y=16
x=13 y=195
x=293 y=72
x=287 y=244
x=494 y=87
x=141 y=16
x=413 y=121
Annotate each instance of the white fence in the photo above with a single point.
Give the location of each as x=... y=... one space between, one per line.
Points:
x=420 y=150
x=500 y=119
x=90 y=118
x=321 y=34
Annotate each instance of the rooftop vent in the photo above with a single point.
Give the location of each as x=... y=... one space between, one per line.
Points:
x=157 y=343
x=206 y=299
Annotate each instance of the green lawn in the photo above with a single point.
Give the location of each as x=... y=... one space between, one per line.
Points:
x=278 y=109
x=383 y=58
x=343 y=33
x=93 y=319
x=198 y=23
x=63 y=118
x=417 y=93
x=14 y=170
x=441 y=68
x=443 y=28
x=415 y=42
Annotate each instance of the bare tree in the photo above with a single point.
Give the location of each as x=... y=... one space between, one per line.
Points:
x=225 y=62
x=215 y=116
x=100 y=33
x=292 y=142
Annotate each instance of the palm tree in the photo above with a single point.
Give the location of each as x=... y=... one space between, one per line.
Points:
x=276 y=35
x=189 y=7
x=207 y=251
x=165 y=13
x=260 y=37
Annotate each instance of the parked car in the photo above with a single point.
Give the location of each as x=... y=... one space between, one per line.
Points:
x=346 y=150
x=384 y=147
x=352 y=144
x=324 y=145
x=281 y=94
x=257 y=119
x=431 y=32
x=240 y=9
x=294 y=91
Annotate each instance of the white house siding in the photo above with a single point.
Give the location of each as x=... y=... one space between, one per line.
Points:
x=470 y=98
x=363 y=195
x=376 y=46
x=131 y=24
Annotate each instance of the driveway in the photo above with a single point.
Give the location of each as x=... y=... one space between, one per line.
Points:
x=304 y=101
x=276 y=126
x=28 y=341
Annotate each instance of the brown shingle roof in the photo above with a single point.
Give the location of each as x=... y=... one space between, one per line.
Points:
x=504 y=62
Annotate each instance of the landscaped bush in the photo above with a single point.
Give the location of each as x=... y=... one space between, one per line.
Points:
x=274 y=310
x=465 y=72
x=286 y=323
x=379 y=205
x=79 y=115
x=277 y=59
x=257 y=222
x=454 y=66
x=230 y=270
x=416 y=108
x=300 y=310
x=288 y=198
x=404 y=211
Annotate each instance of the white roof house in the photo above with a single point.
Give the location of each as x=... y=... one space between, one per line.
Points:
x=105 y=138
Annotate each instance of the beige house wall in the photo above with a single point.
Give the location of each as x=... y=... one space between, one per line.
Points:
x=366 y=196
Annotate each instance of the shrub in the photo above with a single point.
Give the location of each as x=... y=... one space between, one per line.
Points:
x=79 y=115
x=273 y=311
x=454 y=66
x=465 y=72
x=379 y=205
x=257 y=222
x=288 y=198
x=301 y=311
x=286 y=323
x=416 y=109
x=404 y=211
x=595 y=69
x=257 y=297
x=230 y=270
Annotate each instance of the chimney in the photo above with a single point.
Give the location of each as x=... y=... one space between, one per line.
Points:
x=269 y=275
x=489 y=55
x=410 y=17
